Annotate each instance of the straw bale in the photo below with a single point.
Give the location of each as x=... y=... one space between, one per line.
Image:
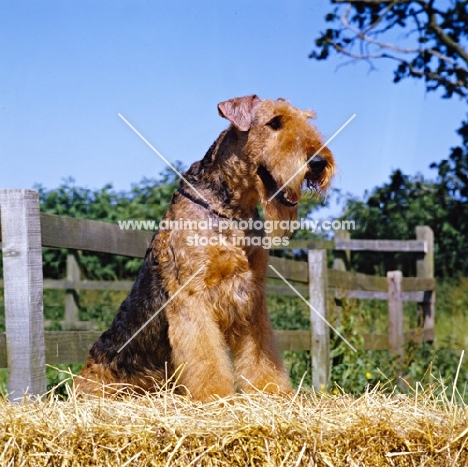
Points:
x=375 y=429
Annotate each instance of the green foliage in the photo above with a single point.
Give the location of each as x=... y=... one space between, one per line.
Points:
x=426 y=364
x=350 y=370
x=291 y=313
x=59 y=377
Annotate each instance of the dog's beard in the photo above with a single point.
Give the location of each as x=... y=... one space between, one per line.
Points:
x=276 y=212
x=279 y=203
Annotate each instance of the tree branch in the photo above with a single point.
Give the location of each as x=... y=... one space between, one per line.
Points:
x=459 y=84
x=445 y=38
x=432 y=22
x=435 y=77
x=432 y=49
x=382 y=45
x=364 y=37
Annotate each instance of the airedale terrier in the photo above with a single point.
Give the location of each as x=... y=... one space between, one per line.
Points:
x=195 y=301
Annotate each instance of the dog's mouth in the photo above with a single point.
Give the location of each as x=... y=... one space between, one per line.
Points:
x=283 y=196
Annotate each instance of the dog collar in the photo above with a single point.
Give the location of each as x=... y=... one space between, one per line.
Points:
x=203 y=204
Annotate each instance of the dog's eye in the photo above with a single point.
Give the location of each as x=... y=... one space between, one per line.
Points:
x=275 y=123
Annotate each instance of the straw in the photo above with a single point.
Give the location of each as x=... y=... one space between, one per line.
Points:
x=307 y=429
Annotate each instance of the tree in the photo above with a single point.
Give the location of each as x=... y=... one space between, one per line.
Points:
x=424 y=37
x=427 y=40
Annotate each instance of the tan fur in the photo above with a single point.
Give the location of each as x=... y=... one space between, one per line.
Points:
x=223 y=308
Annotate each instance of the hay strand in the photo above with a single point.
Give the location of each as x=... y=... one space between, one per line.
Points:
x=307 y=429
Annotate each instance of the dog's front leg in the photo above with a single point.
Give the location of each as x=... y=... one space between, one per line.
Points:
x=257 y=361
x=258 y=364
x=200 y=349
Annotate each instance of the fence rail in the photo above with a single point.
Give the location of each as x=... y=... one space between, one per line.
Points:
x=100 y=237
x=26 y=347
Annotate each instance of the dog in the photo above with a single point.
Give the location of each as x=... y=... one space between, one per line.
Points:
x=199 y=306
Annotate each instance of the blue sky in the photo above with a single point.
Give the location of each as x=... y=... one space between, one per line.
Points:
x=68 y=68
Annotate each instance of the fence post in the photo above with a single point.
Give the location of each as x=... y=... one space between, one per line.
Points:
x=23 y=288
x=395 y=317
x=320 y=334
x=71 y=307
x=342 y=257
x=425 y=269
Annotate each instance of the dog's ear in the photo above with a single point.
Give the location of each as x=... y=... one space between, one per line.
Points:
x=239 y=111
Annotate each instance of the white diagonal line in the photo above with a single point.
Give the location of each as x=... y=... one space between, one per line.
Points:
x=313 y=309
x=325 y=144
x=161 y=156
x=156 y=314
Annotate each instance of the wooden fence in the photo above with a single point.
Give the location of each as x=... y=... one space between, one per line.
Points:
x=26 y=347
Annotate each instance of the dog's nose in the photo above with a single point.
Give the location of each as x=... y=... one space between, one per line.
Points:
x=317 y=164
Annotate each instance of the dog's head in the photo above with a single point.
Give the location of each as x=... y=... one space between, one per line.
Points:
x=286 y=152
